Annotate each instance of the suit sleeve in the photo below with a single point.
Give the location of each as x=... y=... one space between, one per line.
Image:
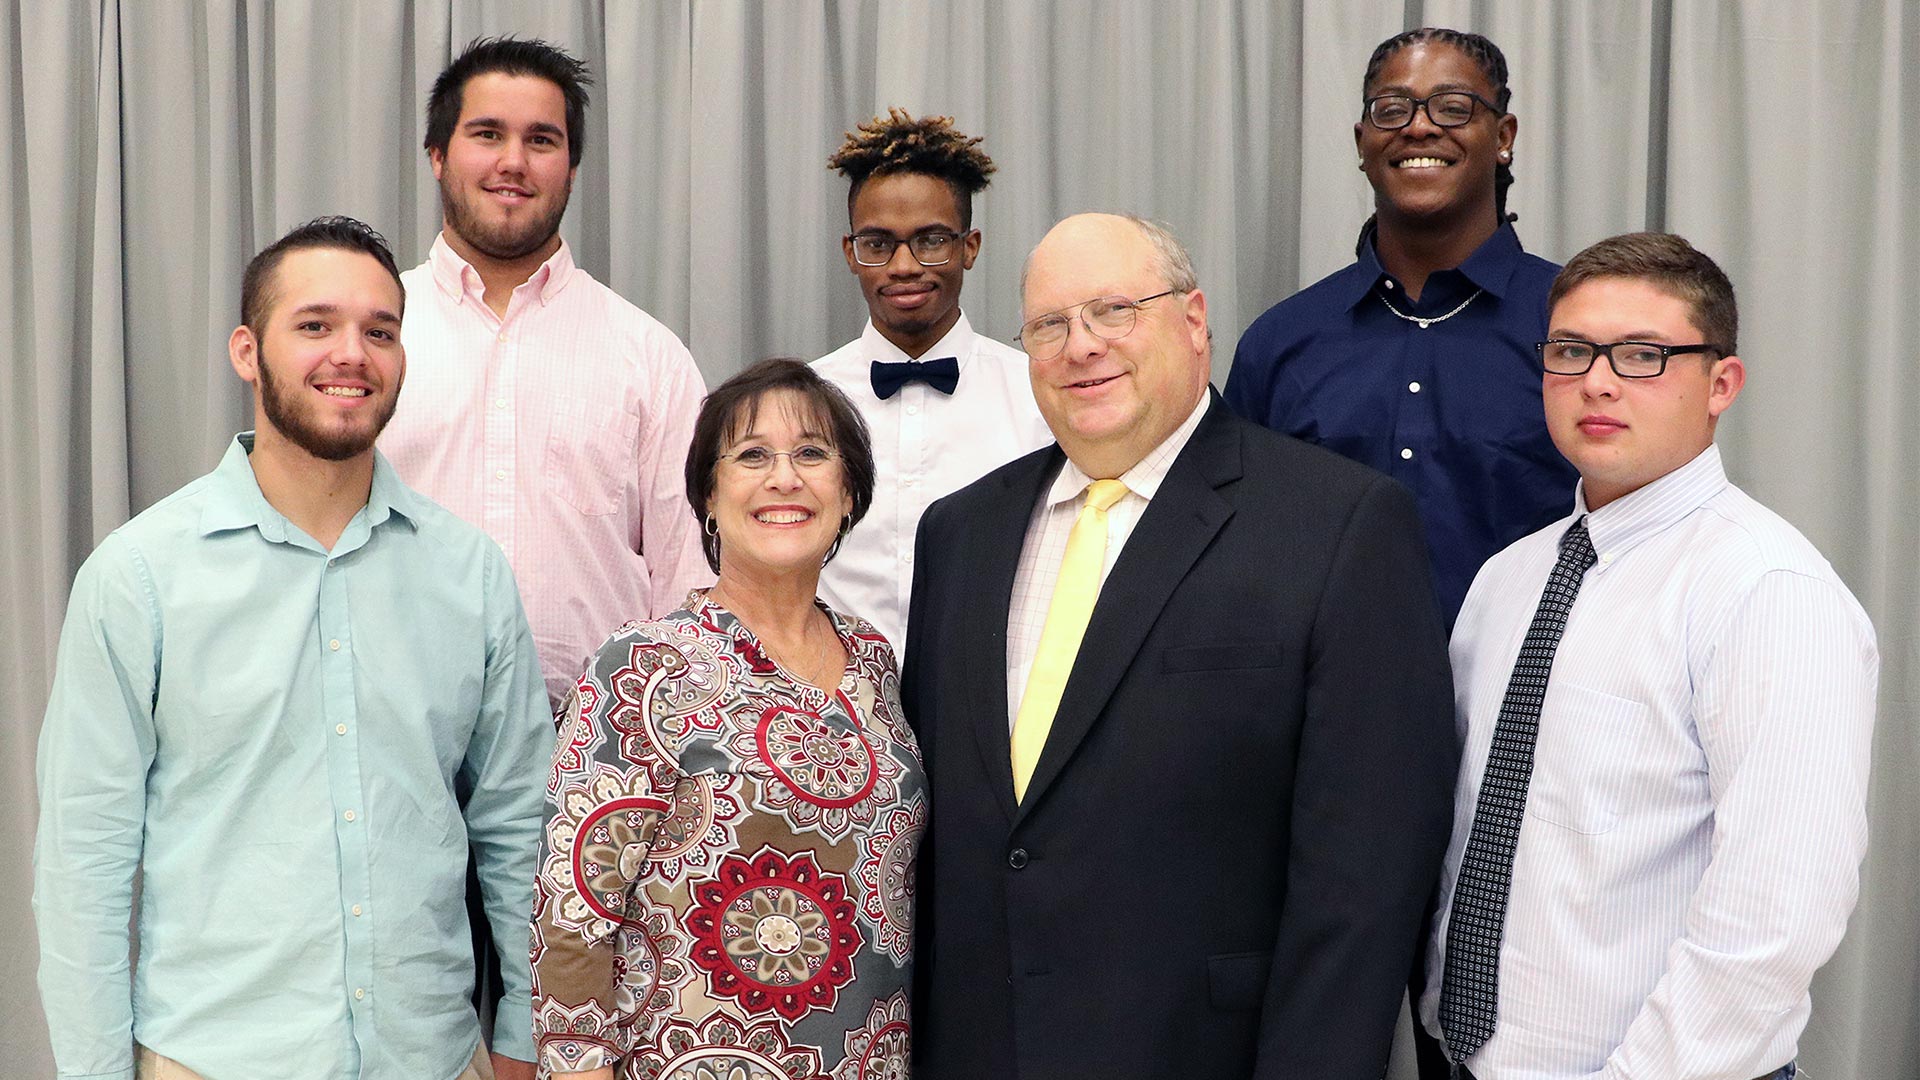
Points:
x=915 y=701
x=1372 y=802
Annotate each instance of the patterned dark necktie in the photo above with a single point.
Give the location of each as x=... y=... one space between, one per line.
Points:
x=1469 y=990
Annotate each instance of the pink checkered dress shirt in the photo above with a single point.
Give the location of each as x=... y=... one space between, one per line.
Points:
x=561 y=430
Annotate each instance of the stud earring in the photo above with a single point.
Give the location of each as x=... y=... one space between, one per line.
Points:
x=1506 y=155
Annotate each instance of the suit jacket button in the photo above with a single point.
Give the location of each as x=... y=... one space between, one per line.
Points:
x=1017 y=858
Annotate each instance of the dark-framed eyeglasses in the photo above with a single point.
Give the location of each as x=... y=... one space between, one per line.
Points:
x=1629 y=359
x=932 y=247
x=1108 y=317
x=1447 y=109
x=761 y=458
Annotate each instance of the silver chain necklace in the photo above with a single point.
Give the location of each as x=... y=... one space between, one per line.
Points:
x=1424 y=323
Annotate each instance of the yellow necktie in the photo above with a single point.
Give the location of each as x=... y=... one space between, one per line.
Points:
x=1074 y=592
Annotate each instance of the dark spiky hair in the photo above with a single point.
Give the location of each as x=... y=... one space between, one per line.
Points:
x=258 y=286
x=899 y=143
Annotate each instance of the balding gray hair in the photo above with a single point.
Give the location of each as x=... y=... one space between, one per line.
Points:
x=1170 y=257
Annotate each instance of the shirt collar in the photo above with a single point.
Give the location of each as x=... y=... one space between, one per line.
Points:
x=235 y=500
x=958 y=343
x=1145 y=477
x=458 y=279
x=1637 y=515
x=1490 y=267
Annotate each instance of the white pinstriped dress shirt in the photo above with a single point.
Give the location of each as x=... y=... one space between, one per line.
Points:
x=1697 y=812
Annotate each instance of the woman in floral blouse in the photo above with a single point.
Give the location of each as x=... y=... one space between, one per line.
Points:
x=735 y=803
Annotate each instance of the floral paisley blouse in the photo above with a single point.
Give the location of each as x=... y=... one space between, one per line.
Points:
x=725 y=878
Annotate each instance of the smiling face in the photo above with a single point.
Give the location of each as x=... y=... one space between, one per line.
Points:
x=1109 y=403
x=326 y=363
x=504 y=177
x=1424 y=171
x=912 y=306
x=779 y=520
x=1623 y=434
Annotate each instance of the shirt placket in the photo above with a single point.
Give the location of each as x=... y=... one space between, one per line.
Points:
x=340 y=714
x=912 y=503
x=499 y=444
x=1416 y=427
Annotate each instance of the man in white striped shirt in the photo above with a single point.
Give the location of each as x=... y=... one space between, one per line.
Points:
x=1669 y=838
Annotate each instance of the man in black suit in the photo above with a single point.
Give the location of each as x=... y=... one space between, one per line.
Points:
x=1190 y=834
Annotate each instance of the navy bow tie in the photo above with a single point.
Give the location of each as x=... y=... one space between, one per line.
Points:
x=942 y=374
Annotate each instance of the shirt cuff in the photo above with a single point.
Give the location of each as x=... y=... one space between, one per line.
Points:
x=117 y=1074
x=513 y=1028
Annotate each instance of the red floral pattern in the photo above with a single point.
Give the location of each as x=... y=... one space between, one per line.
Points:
x=728 y=862
x=774 y=934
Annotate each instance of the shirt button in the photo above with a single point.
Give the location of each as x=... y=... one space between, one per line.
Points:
x=909 y=482
x=913 y=410
x=1406 y=453
x=359 y=992
x=906 y=557
x=356 y=911
x=1017 y=858
x=500 y=474
x=500 y=403
x=348 y=815
x=1607 y=558
x=339 y=729
x=334 y=644
x=501 y=338
x=1413 y=388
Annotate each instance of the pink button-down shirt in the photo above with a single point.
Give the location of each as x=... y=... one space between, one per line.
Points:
x=561 y=430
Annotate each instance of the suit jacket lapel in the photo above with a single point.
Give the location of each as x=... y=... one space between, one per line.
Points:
x=998 y=542
x=1181 y=520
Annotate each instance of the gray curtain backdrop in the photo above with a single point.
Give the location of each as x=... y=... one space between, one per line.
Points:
x=151 y=146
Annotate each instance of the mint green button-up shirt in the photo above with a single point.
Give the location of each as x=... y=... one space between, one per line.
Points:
x=295 y=748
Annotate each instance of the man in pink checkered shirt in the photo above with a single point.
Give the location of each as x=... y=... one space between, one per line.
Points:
x=541 y=406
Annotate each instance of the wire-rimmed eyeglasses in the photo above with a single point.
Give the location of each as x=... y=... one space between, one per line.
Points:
x=1106 y=317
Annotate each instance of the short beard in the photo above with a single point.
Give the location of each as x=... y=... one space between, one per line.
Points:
x=296 y=425
x=504 y=243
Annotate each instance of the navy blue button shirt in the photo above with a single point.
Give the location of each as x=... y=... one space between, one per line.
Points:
x=1452 y=410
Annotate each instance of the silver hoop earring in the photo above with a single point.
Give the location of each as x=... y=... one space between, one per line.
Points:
x=710 y=527
x=846 y=526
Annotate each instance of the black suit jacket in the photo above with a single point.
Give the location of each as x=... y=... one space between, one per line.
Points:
x=1220 y=866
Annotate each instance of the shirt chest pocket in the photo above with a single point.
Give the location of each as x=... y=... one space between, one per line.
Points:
x=590 y=453
x=1584 y=761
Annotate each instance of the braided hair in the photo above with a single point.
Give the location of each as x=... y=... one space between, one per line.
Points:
x=1491 y=62
x=929 y=146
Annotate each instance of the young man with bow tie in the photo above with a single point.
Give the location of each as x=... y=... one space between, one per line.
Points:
x=944 y=405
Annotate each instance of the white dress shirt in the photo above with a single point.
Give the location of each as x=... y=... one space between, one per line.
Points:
x=1696 y=817
x=926 y=445
x=560 y=430
x=1046 y=544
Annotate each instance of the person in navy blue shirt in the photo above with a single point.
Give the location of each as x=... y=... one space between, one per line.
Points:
x=1418 y=359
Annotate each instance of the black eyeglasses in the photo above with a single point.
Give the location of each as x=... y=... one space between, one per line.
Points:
x=934 y=247
x=1108 y=317
x=1629 y=359
x=1449 y=109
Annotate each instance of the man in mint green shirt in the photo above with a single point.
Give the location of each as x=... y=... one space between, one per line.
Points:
x=291 y=695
